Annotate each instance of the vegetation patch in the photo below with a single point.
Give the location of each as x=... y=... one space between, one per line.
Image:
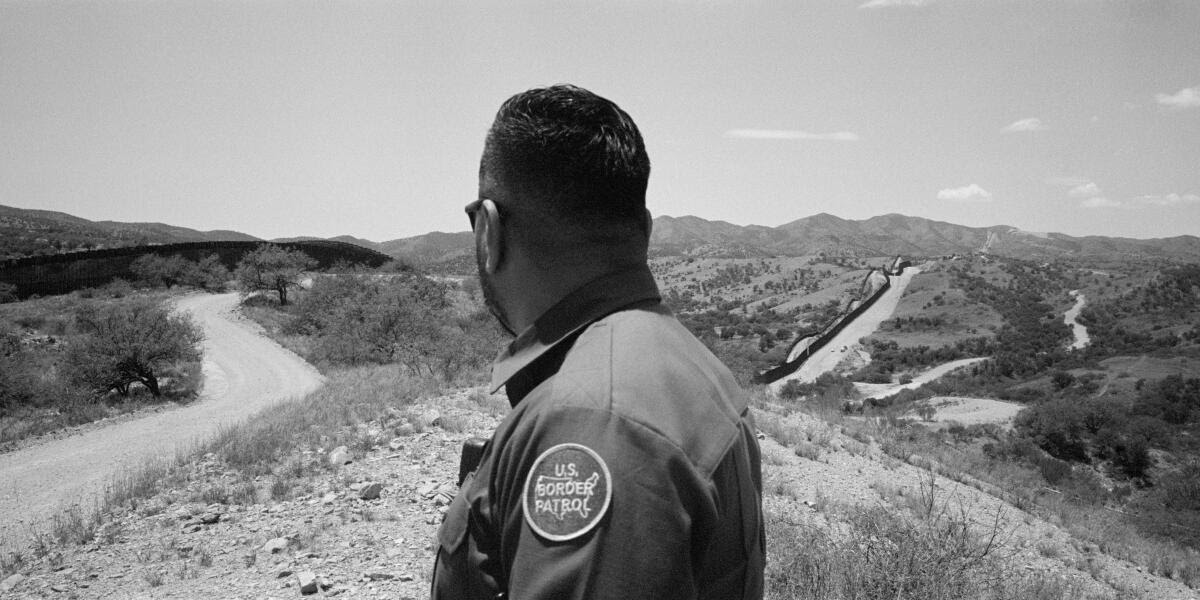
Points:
x=78 y=358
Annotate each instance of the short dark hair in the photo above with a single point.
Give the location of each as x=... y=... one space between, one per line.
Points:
x=577 y=160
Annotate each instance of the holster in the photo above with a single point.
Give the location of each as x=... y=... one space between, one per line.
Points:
x=472 y=452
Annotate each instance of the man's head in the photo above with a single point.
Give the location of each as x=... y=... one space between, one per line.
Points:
x=565 y=171
x=569 y=166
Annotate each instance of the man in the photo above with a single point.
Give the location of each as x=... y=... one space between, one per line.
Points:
x=628 y=467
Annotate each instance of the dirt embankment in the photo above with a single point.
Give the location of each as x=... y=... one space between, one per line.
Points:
x=243 y=373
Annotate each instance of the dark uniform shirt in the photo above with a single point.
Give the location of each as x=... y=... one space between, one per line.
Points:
x=628 y=467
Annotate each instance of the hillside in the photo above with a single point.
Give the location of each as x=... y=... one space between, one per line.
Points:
x=225 y=524
x=1043 y=469
x=27 y=232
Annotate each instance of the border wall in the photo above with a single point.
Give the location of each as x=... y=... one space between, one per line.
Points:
x=870 y=291
x=67 y=272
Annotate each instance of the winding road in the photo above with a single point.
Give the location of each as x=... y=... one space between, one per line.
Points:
x=1082 y=339
x=244 y=372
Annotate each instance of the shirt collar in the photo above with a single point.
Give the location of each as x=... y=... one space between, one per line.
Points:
x=587 y=304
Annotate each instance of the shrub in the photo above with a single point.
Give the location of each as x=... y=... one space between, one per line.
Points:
x=8 y=292
x=272 y=268
x=359 y=319
x=128 y=342
x=1057 y=427
x=882 y=554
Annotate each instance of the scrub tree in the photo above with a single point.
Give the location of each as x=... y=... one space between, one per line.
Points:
x=272 y=268
x=131 y=342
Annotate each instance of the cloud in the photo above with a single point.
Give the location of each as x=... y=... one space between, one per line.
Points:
x=1090 y=194
x=1099 y=202
x=892 y=3
x=1085 y=190
x=1185 y=98
x=790 y=134
x=1163 y=200
x=1025 y=126
x=1167 y=200
x=967 y=193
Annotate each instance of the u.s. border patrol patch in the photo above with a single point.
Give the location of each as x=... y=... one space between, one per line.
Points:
x=567 y=492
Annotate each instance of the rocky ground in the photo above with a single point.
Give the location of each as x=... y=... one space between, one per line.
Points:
x=365 y=528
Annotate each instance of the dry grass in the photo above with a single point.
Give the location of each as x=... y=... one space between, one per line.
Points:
x=267 y=445
x=1025 y=489
x=937 y=554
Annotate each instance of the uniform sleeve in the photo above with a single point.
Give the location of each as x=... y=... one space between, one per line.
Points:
x=646 y=543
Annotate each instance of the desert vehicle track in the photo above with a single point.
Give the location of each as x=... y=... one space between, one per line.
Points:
x=243 y=373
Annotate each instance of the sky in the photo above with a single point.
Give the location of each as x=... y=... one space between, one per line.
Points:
x=367 y=118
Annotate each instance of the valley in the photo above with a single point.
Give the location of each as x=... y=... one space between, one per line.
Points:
x=1054 y=389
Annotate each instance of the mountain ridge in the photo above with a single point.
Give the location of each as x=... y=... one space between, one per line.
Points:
x=30 y=231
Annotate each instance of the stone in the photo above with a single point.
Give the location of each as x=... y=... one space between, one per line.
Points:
x=396 y=444
x=209 y=518
x=307 y=581
x=11 y=582
x=329 y=498
x=405 y=429
x=380 y=576
x=370 y=491
x=340 y=456
x=275 y=545
x=429 y=418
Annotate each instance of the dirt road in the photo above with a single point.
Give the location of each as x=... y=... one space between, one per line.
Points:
x=883 y=390
x=828 y=357
x=243 y=373
x=1082 y=338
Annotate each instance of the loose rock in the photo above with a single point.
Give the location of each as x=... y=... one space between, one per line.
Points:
x=340 y=456
x=307 y=581
x=275 y=545
x=11 y=582
x=370 y=491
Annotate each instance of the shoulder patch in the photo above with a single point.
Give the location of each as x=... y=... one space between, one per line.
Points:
x=567 y=492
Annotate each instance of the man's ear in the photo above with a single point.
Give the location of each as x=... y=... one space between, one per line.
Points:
x=493 y=239
x=649 y=223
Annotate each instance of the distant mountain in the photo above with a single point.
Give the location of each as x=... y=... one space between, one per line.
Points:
x=349 y=239
x=27 y=232
x=885 y=235
x=896 y=234
x=450 y=251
